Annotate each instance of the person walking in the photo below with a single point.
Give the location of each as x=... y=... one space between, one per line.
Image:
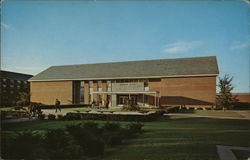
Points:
x=57 y=105
x=107 y=104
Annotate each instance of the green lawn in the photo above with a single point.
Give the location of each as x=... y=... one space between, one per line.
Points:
x=175 y=138
x=220 y=113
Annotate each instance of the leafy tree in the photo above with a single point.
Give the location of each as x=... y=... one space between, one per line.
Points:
x=225 y=100
x=23 y=99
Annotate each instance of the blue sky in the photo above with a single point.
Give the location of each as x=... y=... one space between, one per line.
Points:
x=39 y=34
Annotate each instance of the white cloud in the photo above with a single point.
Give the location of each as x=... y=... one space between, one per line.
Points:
x=180 y=47
x=5 y=26
x=239 y=45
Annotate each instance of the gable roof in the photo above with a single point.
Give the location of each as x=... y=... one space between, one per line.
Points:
x=197 y=66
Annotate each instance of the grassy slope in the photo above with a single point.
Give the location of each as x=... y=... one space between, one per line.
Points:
x=185 y=138
x=177 y=138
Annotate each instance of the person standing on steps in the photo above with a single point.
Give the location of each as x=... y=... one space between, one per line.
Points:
x=57 y=105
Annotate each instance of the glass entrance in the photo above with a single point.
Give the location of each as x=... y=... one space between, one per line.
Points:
x=124 y=99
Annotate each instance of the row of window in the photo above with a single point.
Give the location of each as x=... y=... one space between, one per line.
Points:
x=99 y=83
x=12 y=81
x=13 y=86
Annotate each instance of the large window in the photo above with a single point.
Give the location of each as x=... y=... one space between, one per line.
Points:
x=99 y=86
x=82 y=92
x=109 y=85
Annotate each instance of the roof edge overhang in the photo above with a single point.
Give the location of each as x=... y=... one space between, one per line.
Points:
x=125 y=92
x=109 y=78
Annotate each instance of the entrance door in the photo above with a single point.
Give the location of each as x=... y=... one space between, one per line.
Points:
x=123 y=99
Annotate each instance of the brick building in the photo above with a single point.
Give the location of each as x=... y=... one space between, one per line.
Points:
x=12 y=84
x=187 y=82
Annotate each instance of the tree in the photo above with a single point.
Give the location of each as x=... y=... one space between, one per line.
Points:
x=224 y=99
x=23 y=99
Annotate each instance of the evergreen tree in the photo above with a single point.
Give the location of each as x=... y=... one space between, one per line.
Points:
x=225 y=100
x=23 y=99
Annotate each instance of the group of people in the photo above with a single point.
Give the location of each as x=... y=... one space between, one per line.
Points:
x=101 y=103
x=34 y=110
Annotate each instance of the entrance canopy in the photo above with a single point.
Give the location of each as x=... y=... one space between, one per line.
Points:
x=131 y=92
x=126 y=92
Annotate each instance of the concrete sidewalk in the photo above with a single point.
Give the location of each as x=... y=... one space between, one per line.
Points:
x=225 y=152
x=245 y=114
x=199 y=116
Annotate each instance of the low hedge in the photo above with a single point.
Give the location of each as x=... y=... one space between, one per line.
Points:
x=114 y=117
x=13 y=114
x=82 y=141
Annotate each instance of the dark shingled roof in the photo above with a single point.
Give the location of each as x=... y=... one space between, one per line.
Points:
x=14 y=75
x=147 y=68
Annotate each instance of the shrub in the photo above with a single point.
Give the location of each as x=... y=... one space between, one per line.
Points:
x=173 y=109
x=113 y=134
x=91 y=144
x=111 y=127
x=26 y=145
x=60 y=145
x=73 y=116
x=134 y=128
x=13 y=114
x=41 y=116
x=60 y=117
x=51 y=117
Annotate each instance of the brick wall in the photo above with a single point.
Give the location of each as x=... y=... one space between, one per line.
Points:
x=47 y=92
x=243 y=98
x=185 y=91
x=86 y=93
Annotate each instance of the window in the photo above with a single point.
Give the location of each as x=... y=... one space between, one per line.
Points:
x=12 y=81
x=109 y=85
x=82 y=92
x=19 y=82
x=90 y=84
x=4 y=80
x=145 y=83
x=99 y=84
x=146 y=87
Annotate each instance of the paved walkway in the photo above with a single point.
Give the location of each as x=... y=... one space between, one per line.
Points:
x=225 y=152
x=17 y=120
x=245 y=114
x=200 y=116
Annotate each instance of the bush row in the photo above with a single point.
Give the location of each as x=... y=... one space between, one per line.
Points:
x=13 y=114
x=73 y=142
x=112 y=117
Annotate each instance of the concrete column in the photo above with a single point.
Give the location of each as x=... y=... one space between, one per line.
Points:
x=86 y=92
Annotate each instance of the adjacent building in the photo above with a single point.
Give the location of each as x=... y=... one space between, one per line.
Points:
x=12 y=84
x=186 y=82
